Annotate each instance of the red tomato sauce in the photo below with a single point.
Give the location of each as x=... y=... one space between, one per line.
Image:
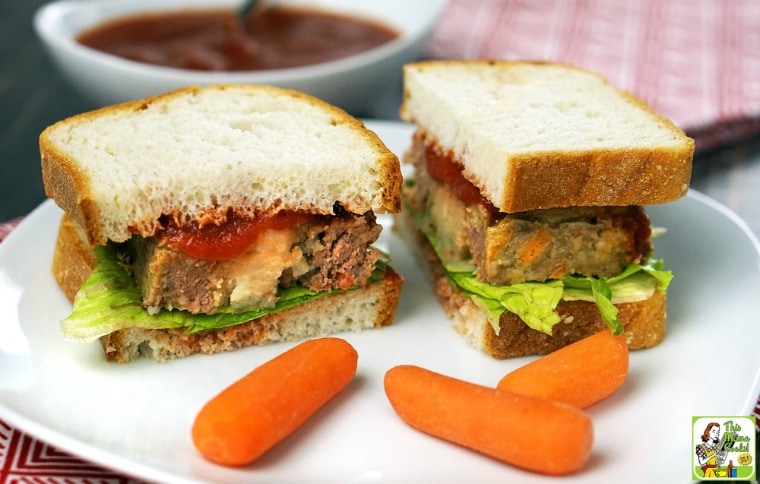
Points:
x=214 y=40
x=222 y=242
x=443 y=169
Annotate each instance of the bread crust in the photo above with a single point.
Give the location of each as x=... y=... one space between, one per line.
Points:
x=70 y=186
x=628 y=175
x=73 y=259
x=607 y=178
x=372 y=306
x=644 y=321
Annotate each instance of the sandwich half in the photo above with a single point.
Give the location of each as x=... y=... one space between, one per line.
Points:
x=209 y=219
x=527 y=202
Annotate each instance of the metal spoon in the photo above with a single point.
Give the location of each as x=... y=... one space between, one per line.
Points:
x=246 y=9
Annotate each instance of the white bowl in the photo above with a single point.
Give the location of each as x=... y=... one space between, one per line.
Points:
x=359 y=84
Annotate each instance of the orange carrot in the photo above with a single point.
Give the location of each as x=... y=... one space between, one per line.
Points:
x=579 y=374
x=535 y=434
x=253 y=414
x=535 y=246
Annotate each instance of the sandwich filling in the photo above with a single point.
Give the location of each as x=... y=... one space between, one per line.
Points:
x=527 y=262
x=243 y=263
x=221 y=274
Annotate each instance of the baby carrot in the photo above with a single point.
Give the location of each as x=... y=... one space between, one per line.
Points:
x=253 y=414
x=580 y=374
x=535 y=434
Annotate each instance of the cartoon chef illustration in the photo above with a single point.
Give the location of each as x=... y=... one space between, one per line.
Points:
x=710 y=453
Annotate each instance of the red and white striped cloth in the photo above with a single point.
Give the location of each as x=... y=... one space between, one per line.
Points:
x=696 y=62
x=7 y=227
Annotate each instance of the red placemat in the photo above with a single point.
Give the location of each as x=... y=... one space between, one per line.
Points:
x=696 y=62
x=24 y=459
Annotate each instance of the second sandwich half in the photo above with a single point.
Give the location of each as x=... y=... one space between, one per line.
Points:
x=529 y=182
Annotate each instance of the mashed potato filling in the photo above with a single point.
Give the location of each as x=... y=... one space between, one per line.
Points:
x=256 y=274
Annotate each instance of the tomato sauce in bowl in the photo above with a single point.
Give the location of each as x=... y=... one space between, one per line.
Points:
x=214 y=40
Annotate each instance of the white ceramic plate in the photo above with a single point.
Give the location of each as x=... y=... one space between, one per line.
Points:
x=136 y=418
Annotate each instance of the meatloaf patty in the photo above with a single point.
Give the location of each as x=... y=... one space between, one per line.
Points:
x=323 y=254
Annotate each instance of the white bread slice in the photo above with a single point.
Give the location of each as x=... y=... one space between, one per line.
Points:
x=534 y=135
x=196 y=152
x=372 y=306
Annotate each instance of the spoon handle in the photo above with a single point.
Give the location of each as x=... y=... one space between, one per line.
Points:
x=245 y=9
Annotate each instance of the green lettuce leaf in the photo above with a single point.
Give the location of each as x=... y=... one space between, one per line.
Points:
x=599 y=291
x=110 y=300
x=536 y=302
